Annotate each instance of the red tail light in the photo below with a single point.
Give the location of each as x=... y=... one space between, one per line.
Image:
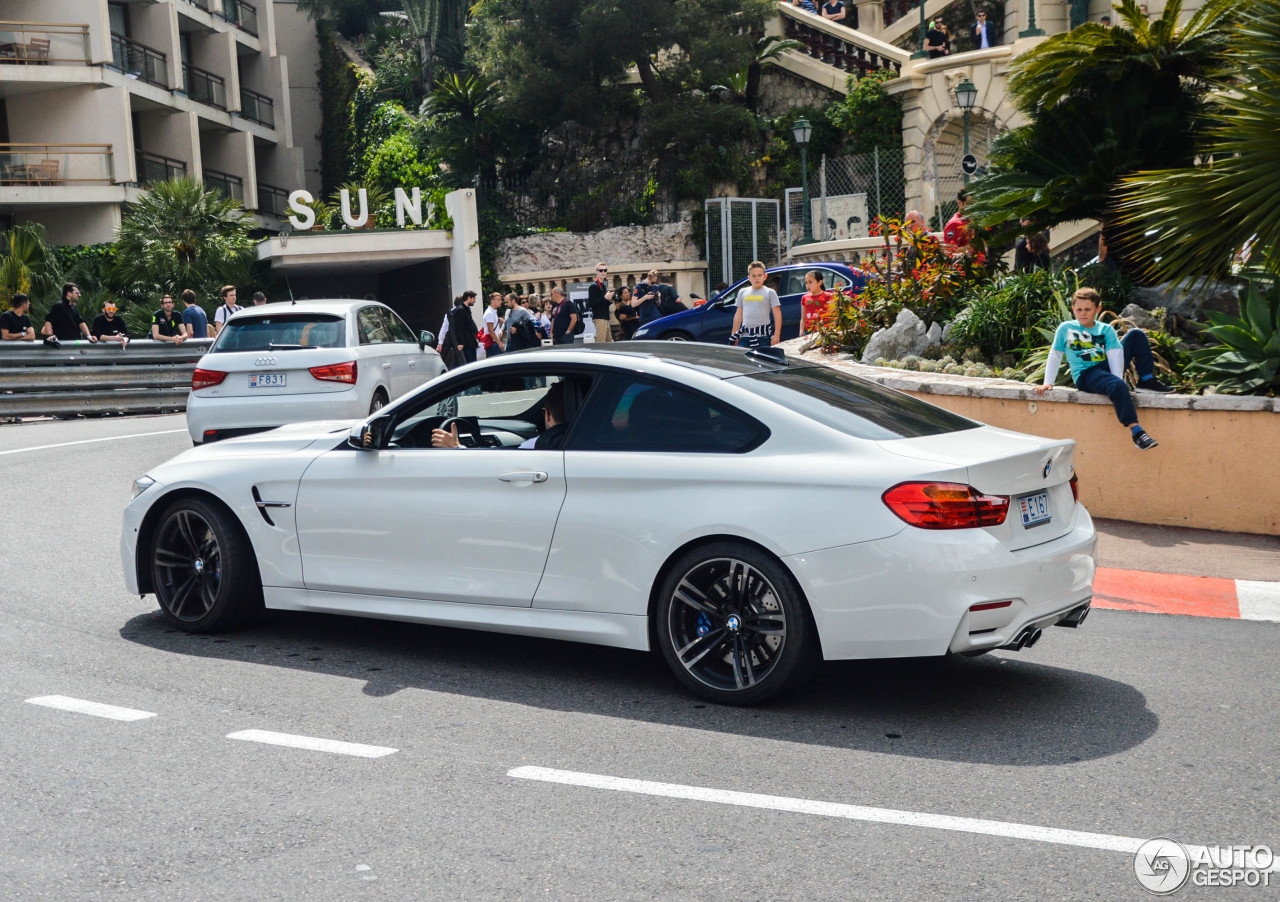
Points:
x=205 y=378
x=336 y=372
x=1075 y=487
x=945 y=505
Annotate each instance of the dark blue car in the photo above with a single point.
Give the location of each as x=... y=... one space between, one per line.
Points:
x=713 y=321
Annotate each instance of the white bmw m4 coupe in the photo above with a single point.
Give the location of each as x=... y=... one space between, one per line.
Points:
x=746 y=514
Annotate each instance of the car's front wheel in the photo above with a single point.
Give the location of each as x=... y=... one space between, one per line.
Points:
x=733 y=626
x=676 y=336
x=203 y=568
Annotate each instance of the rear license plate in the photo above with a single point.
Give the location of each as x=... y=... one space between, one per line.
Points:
x=267 y=380
x=1034 y=509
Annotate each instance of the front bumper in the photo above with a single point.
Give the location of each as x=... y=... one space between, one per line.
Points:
x=909 y=595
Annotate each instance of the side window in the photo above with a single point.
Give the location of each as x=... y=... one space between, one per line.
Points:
x=497 y=411
x=775 y=281
x=793 y=283
x=834 y=280
x=396 y=326
x=629 y=413
x=373 y=330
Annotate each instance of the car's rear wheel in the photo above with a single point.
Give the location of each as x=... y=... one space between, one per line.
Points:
x=203 y=568
x=733 y=626
x=379 y=401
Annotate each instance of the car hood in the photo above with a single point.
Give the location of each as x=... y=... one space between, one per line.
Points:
x=281 y=440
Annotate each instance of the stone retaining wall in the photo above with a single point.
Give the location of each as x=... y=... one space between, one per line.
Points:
x=1215 y=467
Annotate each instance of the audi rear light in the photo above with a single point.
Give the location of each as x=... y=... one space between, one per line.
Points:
x=945 y=505
x=205 y=378
x=336 y=372
x=1075 y=487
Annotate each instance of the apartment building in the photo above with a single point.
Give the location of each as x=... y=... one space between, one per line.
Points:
x=99 y=98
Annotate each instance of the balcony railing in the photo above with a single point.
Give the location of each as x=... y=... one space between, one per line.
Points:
x=152 y=167
x=56 y=164
x=139 y=60
x=230 y=185
x=272 y=201
x=243 y=15
x=204 y=87
x=257 y=107
x=835 y=45
x=44 y=44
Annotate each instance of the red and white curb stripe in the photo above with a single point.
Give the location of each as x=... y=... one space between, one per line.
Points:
x=1194 y=596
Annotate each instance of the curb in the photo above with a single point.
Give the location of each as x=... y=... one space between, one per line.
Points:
x=1191 y=596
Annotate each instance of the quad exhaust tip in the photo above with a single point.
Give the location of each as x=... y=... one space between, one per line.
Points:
x=1075 y=617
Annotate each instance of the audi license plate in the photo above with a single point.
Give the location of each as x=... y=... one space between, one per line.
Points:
x=270 y=380
x=1034 y=509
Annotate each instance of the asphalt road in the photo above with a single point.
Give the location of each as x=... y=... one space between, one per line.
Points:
x=1134 y=726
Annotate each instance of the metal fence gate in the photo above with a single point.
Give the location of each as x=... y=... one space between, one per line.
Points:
x=942 y=166
x=740 y=230
x=847 y=194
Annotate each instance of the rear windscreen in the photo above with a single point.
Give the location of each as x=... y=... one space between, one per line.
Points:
x=289 y=330
x=851 y=405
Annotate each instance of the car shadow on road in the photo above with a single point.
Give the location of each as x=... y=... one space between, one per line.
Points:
x=994 y=710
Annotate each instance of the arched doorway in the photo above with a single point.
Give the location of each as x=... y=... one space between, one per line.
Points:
x=943 y=148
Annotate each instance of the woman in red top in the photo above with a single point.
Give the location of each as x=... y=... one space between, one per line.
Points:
x=814 y=303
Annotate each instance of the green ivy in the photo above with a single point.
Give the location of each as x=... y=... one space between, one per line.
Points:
x=338 y=82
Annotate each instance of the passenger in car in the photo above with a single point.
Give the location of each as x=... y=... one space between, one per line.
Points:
x=550 y=439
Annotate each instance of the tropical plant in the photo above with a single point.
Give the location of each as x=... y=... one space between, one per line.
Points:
x=180 y=235
x=434 y=21
x=1102 y=102
x=1006 y=315
x=27 y=265
x=767 y=51
x=869 y=117
x=1249 y=357
x=1197 y=219
x=465 y=122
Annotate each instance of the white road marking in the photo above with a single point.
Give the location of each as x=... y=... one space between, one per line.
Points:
x=313 y=744
x=1258 y=601
x=1103 y=841
x=90 y=441
x=80 y=706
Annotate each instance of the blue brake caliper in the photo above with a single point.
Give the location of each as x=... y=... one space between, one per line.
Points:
x=703 y=624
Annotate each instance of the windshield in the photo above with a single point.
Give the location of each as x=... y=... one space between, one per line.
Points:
x=851 y=405
x=282 y=331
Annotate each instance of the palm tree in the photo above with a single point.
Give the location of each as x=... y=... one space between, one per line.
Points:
x=27 y=265
x=1103 y=103
x=465 y=118
x=767 y=51
x=1200 y=217
x=180 y=235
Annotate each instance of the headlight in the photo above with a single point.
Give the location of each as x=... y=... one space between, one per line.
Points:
x=141 y=484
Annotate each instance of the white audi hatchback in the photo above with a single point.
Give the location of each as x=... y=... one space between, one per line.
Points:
x=309 y=360
x=746 y=514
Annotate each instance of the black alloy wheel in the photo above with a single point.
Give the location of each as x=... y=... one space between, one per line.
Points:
x=733 y=626
x=203 y=569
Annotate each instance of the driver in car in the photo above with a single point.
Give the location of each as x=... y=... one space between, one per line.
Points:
x=551 y=438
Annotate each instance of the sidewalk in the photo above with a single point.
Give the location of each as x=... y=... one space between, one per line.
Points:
x=1194 y=572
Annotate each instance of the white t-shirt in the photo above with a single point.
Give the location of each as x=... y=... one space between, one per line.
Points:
x=757 y=305
x=224 y=313
x=491 y=319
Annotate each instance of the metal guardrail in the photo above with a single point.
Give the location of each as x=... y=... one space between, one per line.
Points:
x=85 y=378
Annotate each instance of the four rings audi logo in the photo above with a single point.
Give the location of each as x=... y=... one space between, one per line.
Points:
x=266 y=361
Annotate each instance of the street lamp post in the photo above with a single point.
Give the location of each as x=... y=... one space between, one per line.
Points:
x=966 y=97
x=1031 y=31
x=802 y=131
x=921 y=54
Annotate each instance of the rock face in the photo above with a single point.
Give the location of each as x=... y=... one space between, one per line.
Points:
x=581 y=250
x=1190 y=297
x=905 y=337
x=1139 y=317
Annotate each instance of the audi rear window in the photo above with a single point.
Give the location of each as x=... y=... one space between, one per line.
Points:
x=280 y=332
x=851 y=405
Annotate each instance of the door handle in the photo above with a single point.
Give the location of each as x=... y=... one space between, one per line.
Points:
x=386 y=366
x=525 y=476
x=413 y=363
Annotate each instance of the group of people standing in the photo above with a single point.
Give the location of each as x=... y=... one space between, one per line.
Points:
x=514 y=322
x=64 y=322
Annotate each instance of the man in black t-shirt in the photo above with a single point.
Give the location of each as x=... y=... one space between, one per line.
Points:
x=64 y=321
x=564 y=317
x=165 y=326
x=15 y=324
x=107 y=325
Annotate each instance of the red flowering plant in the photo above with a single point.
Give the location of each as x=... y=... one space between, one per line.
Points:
x=911 y=270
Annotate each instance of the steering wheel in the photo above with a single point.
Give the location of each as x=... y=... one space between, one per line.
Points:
x=470 y=427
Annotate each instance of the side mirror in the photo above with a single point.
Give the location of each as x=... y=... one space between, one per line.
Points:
x=369 y=435
x=426 y=338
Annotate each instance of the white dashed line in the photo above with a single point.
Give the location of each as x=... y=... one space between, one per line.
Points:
x=1102 y=841
x=313 y=744
x=1258 y=601
x=90 y=441
x=80 y=706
